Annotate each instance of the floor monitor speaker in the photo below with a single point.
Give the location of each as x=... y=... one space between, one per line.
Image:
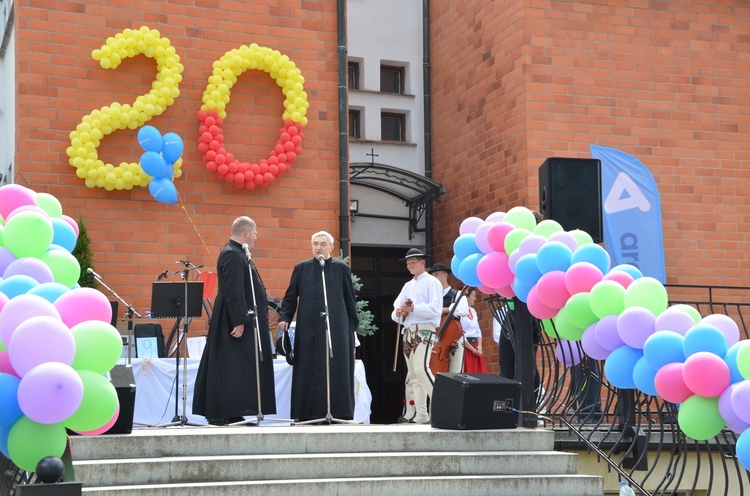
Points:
x=475 y=401
x=124 y=382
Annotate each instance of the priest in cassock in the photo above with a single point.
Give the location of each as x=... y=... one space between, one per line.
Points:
x=305 y=297
x=225 y=387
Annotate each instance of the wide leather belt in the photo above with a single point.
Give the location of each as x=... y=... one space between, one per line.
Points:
x=422 y=327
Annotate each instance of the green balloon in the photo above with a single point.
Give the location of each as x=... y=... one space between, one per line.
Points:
x=549 y=328
x=98 y=406
x=699 y=418
x=565 y=328
x=547 y=228
x=2 y=232
x=28 y=234
x=64 y=266
x=695 y=314
x=98 y=346
x=581 y=237
x=49 y=204
x=607 y=298
x=579 y=310
x=743 y=359
x=521 y=217
x=29 y=442
x=648 y=293
x=514 y=238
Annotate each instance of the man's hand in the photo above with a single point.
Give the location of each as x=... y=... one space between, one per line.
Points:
x=237 y=331
x=282 y=326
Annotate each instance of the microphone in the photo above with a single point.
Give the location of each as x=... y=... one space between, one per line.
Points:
x=188 y=264
x=91 y=271
x=246 y=247
x=321 y=259
x=162 y=275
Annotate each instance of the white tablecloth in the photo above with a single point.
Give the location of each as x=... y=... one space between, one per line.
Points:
x=155 y=391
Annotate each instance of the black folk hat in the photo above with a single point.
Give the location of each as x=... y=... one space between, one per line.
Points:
x=438 y=267
x=413 y=253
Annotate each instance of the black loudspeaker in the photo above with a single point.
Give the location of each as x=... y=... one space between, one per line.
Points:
x=570 y=192
x=475 y=401
x=124 y=382
x=145 y=331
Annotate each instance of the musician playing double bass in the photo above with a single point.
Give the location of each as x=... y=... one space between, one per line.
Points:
x=417 y=308
x=455 y=355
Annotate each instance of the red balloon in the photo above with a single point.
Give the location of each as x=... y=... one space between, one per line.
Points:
x=297 y=140
x=258 y=179
x=285 y=137
x=211 y=166
x=239 y=178
x=283 y=157
x=232 y=167
x=220 y=159
x=263 y=167
x=242 y=167
x=273 y=169
x=202 y=129
x=230 y=157
x=203 y=147
x=288 y=146
x=292 y=130
x=249 y=185
x=249 y=177
x=214 y=130
x=202 y=114
x=214 y=145
x=273 y=159
x=279 y=149
x=290 y=156
x=222 y=169
x=268 y=177
x=210 y=121
x=255 y=168
x=283 y=167
x=206 y=137
x=219 y=137
x=229 y=177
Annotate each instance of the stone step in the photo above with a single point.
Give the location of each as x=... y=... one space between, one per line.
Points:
x=475 y=485
x=198 y=469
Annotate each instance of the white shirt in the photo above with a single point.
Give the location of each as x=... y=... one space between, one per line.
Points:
x=426 y=293
x=470 y=324
x=462 y=309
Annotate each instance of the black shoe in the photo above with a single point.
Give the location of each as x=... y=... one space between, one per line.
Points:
x=217 y=421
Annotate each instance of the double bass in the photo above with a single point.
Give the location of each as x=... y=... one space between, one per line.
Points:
x=450 y=331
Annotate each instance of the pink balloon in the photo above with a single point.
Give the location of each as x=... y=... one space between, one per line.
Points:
x=495 y=217
x=581 y=277
x=496 y=235
x=470 y=225
x=733 y=421
x=635 y=325
x=591 y=346
x=622 y=278
x=72 y=223
x=674 y=319
x=568 y=353
x=493 y=270
x=486 y=290
x=726 y=325
x=5 y=366
x=537 y=308
x=13 y=196
x=21 y=308
x=480 y=238
x=551 y=289
x=706 y=374
x=32 y=267
x=565 y=238
x=606 y=333
x=531 y=244
x=105 y=427
x=82 y=304
x=50 y=393
x=39 y=340
x=670 y=385
x=506 y=292
x=27 y=208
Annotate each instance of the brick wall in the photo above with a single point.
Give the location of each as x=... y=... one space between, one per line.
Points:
x=667 y=81
x=134 y=237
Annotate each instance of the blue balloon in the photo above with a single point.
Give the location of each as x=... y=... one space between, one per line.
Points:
x=10 y=412
x=465 y=245
x=663 y=347
x=742 y=448
x=17 y=285
x=64 y=235
x=731 y=360
x=521 y=290
x=634 y=271
x=53 y=247
x=150 y=139
x=553 y=255
x=172 y=147
x=619 y=366
x=154 y=165
x=527 y=272
x=162 y=190
x=704 y=337
x=593 y=254
x=467 y=271
x=4 y=431
x=50 y=291
x=643 y=377
x=455 y=264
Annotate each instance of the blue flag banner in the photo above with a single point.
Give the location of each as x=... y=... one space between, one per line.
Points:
x=631 y=213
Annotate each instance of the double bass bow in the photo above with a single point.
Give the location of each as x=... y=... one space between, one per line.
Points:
x=450 y=331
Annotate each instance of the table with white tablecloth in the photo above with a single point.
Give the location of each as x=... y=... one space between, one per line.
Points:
x=155 y=391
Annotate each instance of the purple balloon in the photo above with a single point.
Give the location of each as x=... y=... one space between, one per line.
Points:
x=39 y=340
x=606 y=333
x=635 y=325
x=470 y=225
x=674 y=319
x=480 y=238
x=591 y=345
x=50 y=393
x=32 y=267
x=740 y=399
x=727 y=412
x=565 y=238
x=6 y=258
x=568 y=352
x=495 y=217
x=19 y=309
x=726 y=325
x=531 y=244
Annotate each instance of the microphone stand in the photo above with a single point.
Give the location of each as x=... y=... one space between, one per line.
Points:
x=258 y=349
x=131 y=311
x=329 y=354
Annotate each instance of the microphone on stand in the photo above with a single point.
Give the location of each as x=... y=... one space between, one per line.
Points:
x=91 y=271
x=162 y=275
x=321 y=260
x=246 y=247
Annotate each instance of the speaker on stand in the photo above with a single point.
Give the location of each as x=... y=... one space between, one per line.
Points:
x=570 y=192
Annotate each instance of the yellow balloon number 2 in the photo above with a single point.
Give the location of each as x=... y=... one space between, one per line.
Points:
x=87 y=136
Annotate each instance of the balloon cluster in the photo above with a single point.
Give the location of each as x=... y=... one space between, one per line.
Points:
x=55 y=338
x=161 y=153
x=87 y=136
x=617 y=315
x=213 y=112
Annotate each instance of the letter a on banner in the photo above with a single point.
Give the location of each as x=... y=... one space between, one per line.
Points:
x=631 y=214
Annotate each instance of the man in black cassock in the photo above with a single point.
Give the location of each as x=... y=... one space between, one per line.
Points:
x=309 y=373
x=225 y=387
